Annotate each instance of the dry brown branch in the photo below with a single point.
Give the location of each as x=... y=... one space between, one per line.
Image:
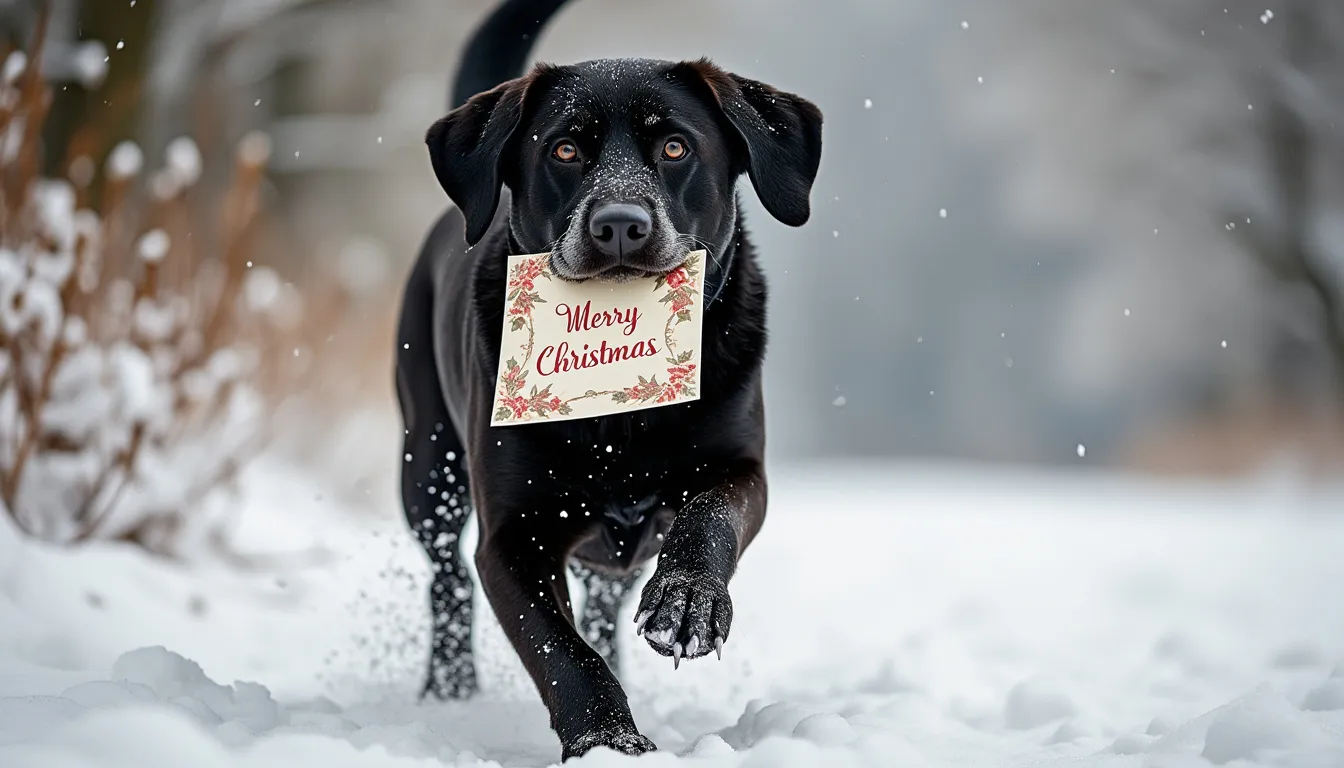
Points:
x=33 y=103
x=128 y=361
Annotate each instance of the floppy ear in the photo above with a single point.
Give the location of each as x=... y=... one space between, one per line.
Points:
x=466 y=149
x=782 y=135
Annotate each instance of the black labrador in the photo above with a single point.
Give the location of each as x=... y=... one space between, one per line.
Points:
x=618 y=168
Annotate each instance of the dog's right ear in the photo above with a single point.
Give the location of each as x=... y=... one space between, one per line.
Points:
x=467 y=148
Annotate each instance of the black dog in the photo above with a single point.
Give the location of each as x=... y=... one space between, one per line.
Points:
x=618 y=168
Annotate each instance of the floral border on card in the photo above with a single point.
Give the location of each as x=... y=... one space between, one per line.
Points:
x=515 y=404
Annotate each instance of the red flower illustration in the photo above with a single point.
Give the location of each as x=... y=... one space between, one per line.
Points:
x=523 y=304
x=678 y=372
x=678 y=277
x=670 y=393
x=525 y=273
x=523 y=297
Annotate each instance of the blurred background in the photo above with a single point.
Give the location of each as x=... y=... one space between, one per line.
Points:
x=1045 y=232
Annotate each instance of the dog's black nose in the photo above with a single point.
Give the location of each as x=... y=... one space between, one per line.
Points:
x=618 y=229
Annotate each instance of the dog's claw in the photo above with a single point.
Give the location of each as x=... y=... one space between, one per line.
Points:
x=718 y=647
x=640 y=621
x=681 y=609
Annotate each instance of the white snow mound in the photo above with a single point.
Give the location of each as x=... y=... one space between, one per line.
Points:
x=921 y=618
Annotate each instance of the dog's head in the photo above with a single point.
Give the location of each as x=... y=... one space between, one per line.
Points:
x=623 y=167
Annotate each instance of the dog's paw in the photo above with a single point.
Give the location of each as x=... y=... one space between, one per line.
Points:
x=628 y=742
x=684 y=614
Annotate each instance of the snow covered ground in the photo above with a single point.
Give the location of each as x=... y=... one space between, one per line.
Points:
x=890 y=616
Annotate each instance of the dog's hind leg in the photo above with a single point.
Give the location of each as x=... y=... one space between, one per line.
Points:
x=436 y=498
x=603 y=596
x=438 y=522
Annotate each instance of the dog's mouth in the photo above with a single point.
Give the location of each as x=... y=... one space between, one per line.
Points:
x=617 y=273
x=620 y=274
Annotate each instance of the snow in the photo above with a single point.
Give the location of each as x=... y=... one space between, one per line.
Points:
x=183 y=157
x=1034 y=703
x=154 y=246
x=15 y=64
x=265 y=292
x=125 y=160
x=262 y=288
x=55 y=202
x=254 y=149
x=181 y=169
x=886 y=616
x=90 y=64
x=1328 y=696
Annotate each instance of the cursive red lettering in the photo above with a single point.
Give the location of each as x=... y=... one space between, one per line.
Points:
x=541 y=361
x=583 y=318
x=561 y=358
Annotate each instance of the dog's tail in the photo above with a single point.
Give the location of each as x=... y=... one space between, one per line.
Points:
x=499 y=48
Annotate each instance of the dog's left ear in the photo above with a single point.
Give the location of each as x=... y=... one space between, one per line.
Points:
x=467 y=148
x=780 y=131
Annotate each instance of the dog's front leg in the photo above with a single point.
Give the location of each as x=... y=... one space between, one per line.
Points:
x=523 y=573
x=685 y=610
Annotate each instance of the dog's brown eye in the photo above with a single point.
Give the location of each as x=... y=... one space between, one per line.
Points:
x=674 y=150
x=566 y=152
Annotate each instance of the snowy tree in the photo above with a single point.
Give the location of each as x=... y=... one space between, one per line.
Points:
x=1199 y=147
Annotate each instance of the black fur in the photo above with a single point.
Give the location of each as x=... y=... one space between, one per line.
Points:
x=683 y=482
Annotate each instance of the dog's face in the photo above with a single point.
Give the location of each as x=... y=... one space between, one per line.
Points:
x=621 y=168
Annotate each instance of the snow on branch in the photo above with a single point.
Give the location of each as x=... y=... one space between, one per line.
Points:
x=130 y=349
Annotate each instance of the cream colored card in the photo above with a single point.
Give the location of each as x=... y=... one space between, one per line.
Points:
x=574 y=350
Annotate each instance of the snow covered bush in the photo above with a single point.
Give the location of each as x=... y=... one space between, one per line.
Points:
x=131 y=337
